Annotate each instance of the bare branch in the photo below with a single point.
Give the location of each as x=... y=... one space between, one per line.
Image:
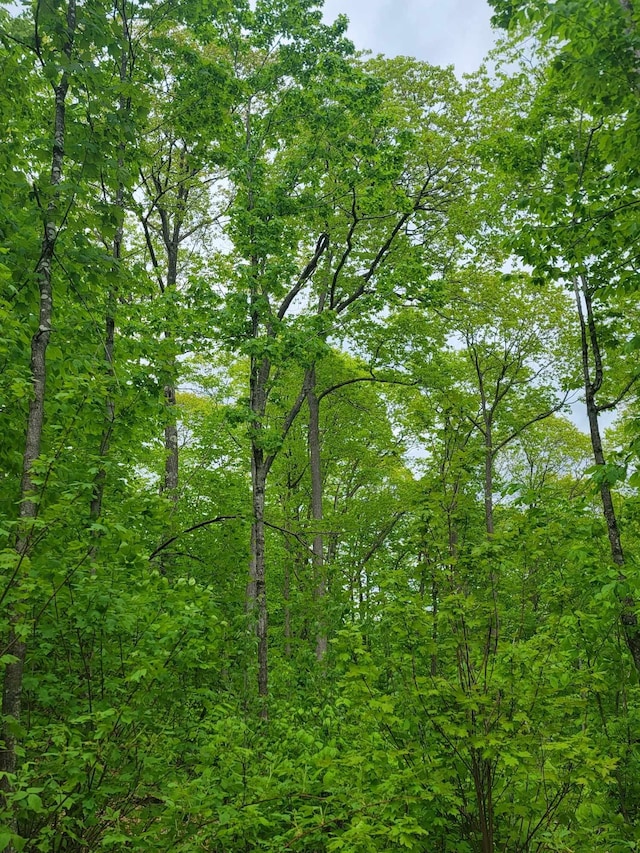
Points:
x=607 y=406
x=321 y=247
x=198 y=526
x=531 y=421
x=371 y=378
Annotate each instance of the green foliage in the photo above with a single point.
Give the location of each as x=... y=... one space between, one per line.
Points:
x=289 y=209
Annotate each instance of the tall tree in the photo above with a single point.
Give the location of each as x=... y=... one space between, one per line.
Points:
x=57 y=56
x=178 y=181
x=572 y=206
x=373 y=195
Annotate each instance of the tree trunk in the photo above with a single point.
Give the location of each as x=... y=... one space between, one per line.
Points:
x=259 y=478
x=435 y=593
x=315 y=460
x=494 y=628
x=171 y=223
x=482 y=772
x=592 y=384
x=13 y=676
x=286 y=595
x=172 y=458
x=171 y=465
x=488 y=477
x=95 y=510
x=260 y=464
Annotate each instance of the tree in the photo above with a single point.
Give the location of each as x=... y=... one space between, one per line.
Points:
x=366 y=201
x=178 y=179
x=58 y=58
x=569 y=206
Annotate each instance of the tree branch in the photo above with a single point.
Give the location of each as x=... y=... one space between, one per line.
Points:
x=371 y=378
x=321 y=247
x=606 y=406
x=532 y=421
x=198 y=526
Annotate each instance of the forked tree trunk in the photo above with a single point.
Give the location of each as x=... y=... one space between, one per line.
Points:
x=13 y=676
x=482 y=772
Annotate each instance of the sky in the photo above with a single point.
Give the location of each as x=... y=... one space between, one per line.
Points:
x=442 y=32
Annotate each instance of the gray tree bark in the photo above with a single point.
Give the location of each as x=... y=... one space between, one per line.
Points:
x=16 y=646
x=315 y=459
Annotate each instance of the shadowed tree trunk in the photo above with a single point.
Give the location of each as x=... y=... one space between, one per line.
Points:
x=261 y=463
x=16 y=646
x=487 y=410
x=315 y=459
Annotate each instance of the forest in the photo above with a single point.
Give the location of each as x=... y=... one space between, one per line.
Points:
x=319 y=433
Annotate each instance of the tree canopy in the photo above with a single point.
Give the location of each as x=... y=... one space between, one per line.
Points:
x=319 y=514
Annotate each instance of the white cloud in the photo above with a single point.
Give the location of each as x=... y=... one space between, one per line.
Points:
x=443 y=32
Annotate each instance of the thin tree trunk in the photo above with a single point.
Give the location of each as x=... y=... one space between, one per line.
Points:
x=172 y=451
x=171 y=232
x=592 y=384
x=13 y=676
x=488 y=412
x=315 y=459
x=483 y=783
x=261 y=462
x=435 y=592
x=95 y=510
x=286 y=594
x=171 y=465
x=488 y=477
x=260 y=372
x=172 y=237
x=259 y=477
x=494 y=629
